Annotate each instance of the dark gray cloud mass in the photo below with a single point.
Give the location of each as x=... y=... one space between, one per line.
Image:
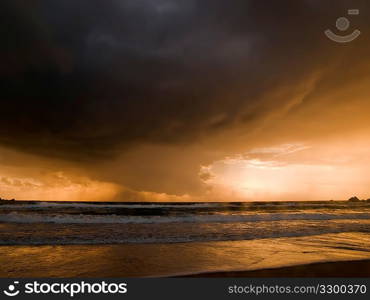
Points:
x=82 y=79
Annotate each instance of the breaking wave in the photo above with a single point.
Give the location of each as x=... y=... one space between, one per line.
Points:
x=15 y=217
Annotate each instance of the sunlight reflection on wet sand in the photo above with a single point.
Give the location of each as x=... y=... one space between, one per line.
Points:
x=140 y=260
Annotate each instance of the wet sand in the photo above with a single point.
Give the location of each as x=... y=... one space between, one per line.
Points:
x=331 y=269
x=273 y=257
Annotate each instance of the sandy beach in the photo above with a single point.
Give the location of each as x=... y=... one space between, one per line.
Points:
x=308 y=256
x=359 y=268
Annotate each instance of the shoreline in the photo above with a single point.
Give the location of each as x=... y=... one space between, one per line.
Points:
x=311 y=256
x=337 y=269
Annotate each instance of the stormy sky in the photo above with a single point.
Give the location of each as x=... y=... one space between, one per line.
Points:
x=155 y=100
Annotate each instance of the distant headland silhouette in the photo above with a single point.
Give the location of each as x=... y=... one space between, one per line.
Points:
x=1 y=199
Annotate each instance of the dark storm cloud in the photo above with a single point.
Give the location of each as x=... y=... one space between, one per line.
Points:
x=84 y=79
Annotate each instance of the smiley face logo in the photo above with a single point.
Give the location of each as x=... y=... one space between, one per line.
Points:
x=11 y=292
x=343 y=24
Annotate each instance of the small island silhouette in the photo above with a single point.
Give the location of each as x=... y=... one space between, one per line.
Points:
x=356 y=199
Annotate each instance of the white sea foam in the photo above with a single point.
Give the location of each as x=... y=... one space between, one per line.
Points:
x=108 y=234
x=16 y=217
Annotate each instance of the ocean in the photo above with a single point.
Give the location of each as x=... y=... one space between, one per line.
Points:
x=163 y=239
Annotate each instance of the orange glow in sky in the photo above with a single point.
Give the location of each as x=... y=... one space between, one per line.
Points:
x=291 y=172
